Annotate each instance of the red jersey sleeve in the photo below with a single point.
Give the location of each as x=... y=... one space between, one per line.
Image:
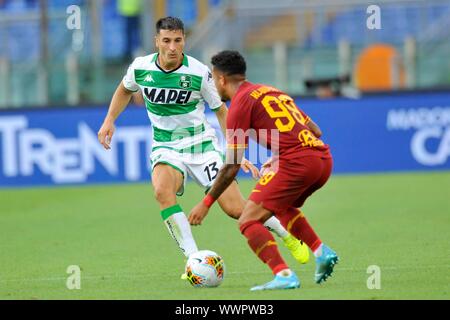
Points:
x=305 y=116
x=239 y=122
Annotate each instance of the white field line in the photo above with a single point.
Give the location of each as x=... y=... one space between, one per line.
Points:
x=148 y=276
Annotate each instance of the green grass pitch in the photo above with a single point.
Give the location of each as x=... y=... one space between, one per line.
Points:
x=399 y=222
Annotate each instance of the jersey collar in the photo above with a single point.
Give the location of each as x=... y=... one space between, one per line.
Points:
x=183 y=63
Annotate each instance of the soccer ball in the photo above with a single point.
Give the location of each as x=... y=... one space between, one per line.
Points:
x=205 y=268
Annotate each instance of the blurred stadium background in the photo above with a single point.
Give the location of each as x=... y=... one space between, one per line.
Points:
x=382 y=98
x=284 y=41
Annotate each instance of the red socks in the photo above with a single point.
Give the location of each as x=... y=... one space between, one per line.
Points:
x=263 y=244
x=296 y=224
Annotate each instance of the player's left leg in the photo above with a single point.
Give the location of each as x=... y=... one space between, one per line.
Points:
x=297 y=224
x=232 y=203
x=296 y=247
x=264 y=246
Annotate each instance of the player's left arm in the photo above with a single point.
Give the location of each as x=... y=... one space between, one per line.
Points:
x=224 y=178
x=314 y=128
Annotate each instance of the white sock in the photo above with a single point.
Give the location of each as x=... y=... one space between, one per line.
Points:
x=273 y=224
x=180 y=229
x=318 y=251
x=285 y=273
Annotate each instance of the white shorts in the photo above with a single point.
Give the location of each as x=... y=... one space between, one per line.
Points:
x=201 y=167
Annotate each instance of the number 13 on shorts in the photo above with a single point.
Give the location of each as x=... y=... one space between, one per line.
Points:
x=211 y=170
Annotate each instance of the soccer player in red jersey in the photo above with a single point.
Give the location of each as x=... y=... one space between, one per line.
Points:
x=301 y=164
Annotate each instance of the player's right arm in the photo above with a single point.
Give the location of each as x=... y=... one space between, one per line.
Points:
x=119 y=101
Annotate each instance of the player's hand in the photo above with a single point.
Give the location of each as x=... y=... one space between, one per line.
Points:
x=248 y=166
x=265 y=168
x=197 y=214
x=105 y=134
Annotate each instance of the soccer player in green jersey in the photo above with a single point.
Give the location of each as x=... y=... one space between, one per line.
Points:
x=175 y=88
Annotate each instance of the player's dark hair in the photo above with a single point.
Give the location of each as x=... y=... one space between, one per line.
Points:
x=169 y=23
x=229 y=62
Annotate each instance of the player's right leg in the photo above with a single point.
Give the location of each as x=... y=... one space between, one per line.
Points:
x=204 y=171
x=166 y=182
x=264 y=246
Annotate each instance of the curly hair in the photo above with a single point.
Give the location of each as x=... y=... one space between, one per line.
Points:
x=229 y=62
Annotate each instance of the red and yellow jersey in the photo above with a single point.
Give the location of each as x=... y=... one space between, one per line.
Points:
x=271 y=117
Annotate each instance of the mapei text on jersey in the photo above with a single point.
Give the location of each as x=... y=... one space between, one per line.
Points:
x=166 y=96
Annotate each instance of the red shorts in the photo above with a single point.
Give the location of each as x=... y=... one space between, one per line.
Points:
x=293 y=182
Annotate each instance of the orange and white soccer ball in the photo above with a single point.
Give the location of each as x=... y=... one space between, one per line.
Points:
x=205 y=268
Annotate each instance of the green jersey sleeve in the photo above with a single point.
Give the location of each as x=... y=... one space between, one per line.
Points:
x=129 y=81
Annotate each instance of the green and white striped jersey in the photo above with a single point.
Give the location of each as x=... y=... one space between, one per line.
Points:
x=175 y=102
